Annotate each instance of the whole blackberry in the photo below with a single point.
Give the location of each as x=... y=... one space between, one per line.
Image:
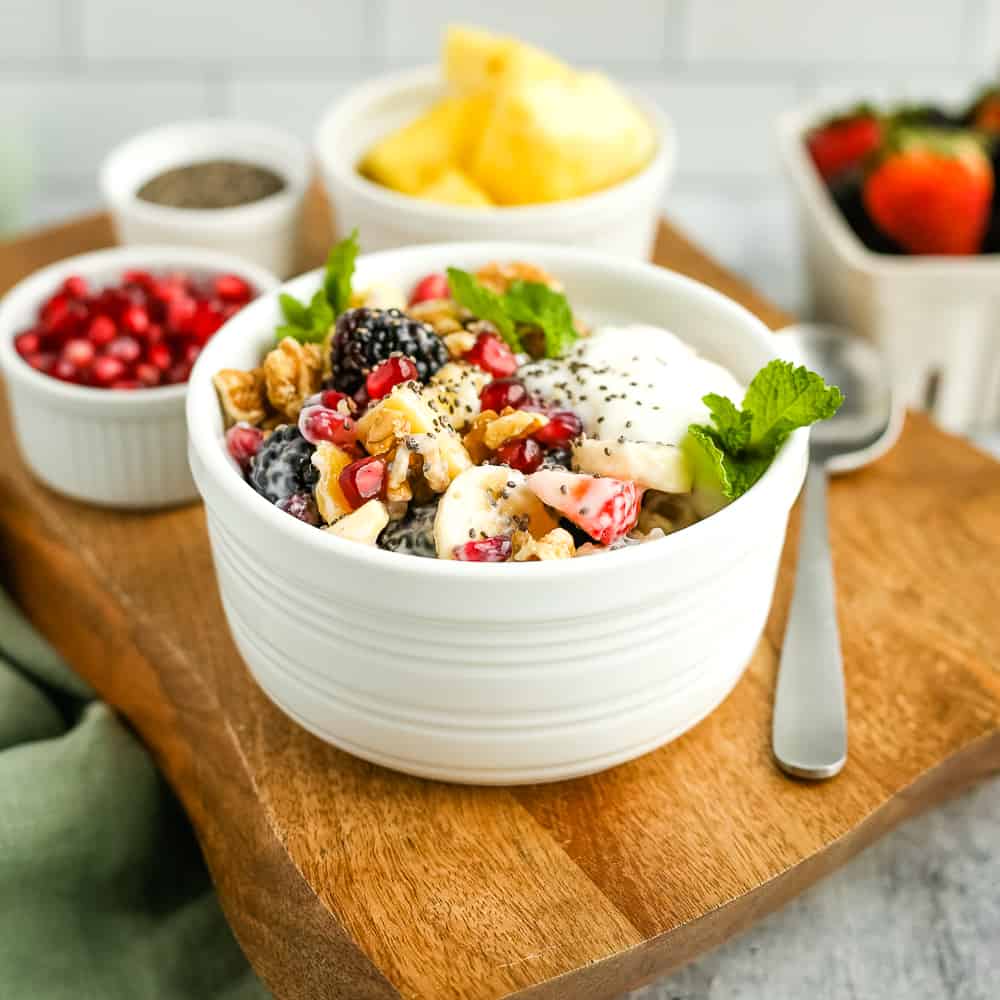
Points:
x=364 y=337
x=283 y=465
x=413 y=534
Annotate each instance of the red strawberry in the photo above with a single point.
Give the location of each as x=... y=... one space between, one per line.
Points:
x=605 y=508
x=931 y=191
x=843 y=142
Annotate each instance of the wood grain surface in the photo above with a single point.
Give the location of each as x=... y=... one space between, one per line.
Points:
x=346 y=881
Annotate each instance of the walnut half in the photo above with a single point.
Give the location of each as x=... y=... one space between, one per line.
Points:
x=242 y=395
x=292 y=373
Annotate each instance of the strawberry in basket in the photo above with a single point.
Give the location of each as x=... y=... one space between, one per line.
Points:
x=843 y=142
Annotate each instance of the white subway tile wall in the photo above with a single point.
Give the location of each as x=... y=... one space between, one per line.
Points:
x=77 y=76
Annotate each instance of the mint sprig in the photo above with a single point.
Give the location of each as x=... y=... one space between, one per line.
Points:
x=525 y=303
x=310 y=324
x=736 y=449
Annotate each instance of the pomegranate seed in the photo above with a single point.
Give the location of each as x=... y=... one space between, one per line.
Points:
x=126 y=383
x=503 y=393
x=66 y=371
x=317 y=423
x=332 y=399
x=495 y=549
x=75 y=287
x=434 y=286
x=106 y=369
x=605 y=508
x=102 y=330
x=79 y=352
x=154 y=334
x=205 y=321
x=135 y=319
x=363 y=480
x=388 y=374
x=243 y=441
x=43 y=361
x=302 y=506
x=127 y=350
x=232 y=288
x=180 y=313
x=147 y=374
x=141 y=278
x=563 y=427
x=27 y=343
x=523 y=454
x=159 y=355
x=191 y=353
x=56 y=315
x=178 y=373
x=492 y=355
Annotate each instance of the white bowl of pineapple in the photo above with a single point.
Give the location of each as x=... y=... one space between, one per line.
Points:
x=503 y=141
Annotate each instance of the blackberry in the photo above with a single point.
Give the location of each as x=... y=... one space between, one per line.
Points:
x=364 y=337
x=413 y=535
x=283 y=465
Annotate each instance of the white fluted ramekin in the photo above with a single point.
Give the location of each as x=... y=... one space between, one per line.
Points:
x=114 y=448
x=498 y=673
x=622 y=219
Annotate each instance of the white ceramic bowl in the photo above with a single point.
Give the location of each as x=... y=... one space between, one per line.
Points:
x=620 y=220
x=118 y=449
x=935 y=318
x=264 y=232
x=509 y=673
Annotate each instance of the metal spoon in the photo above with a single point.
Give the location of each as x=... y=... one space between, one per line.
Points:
x=809 y=734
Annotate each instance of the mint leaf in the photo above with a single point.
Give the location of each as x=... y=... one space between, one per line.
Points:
x=733 y=452
x=483 y=303
x=340 y=271
x=310 y=324
x=536 y=304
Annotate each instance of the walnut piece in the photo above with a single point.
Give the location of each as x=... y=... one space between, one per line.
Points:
x=556 y=544
x=498 y=277
x=443 y=316
x=459 y=343
x=292 y=372
x=490 y=430
x=363 y=525
x=242 y=395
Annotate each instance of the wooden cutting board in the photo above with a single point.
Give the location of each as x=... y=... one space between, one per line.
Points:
x=343 y=880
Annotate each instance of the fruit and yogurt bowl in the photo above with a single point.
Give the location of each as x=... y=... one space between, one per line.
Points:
x=505 y=672
x=476 y=417
x=96 y=351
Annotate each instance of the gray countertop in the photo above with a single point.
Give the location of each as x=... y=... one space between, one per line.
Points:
x=917 y=915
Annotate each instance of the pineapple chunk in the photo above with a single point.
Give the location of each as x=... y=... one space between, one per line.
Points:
x=475 y=60
x=331 y=462
x=553 y=139
x=363 y=525
x=414 y=156
x=454 y=187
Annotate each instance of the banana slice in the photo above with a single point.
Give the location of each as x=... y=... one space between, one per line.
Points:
x=454 y=392
x=661 y=467
x=363 y=525
x=485 y=501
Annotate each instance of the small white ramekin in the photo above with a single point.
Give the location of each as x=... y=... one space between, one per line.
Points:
x=621 y=220
x=935 y=318
x=264 y=232
x=124 y=449
x=503 y=673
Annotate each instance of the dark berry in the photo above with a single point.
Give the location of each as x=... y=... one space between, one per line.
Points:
x=302 y=506
x=413 y=534
x=364 y=337
x=283 y=465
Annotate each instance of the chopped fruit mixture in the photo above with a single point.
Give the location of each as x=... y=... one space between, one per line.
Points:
x=517 y=127
x=915 y=179
x=147 y=330
x=482 y=425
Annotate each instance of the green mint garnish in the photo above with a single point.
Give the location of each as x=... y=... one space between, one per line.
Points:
x=309 y=324
x=737 y=448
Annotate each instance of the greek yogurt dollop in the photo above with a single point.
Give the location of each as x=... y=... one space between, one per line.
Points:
x=639 y=382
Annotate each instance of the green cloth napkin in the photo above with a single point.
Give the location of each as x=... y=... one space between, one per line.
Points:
x=103 y=892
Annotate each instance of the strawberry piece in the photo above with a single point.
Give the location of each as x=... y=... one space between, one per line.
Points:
x=605 y=508
x=495 y=549
x=433 y=286
x=931 y=191
x=843 y=142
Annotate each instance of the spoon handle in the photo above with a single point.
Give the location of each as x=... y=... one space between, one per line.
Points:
x=809 y=733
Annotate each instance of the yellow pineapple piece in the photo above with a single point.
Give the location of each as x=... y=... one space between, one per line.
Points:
x=414 y=156
x=454 y=187
x=552 y=139
x=475 y=59
x=330 y=500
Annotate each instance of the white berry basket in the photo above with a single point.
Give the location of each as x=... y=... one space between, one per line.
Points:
x=498 y=673
x=936 y=318
x=125 y=449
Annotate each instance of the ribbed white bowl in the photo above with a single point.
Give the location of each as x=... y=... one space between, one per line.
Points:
x=511 y=673
x=118 y=449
